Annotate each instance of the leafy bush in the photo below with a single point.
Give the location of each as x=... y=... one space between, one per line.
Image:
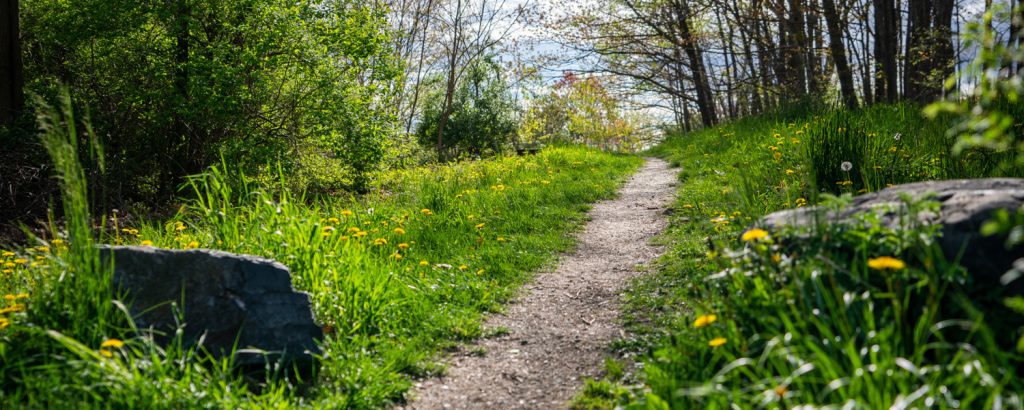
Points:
x=481 y=122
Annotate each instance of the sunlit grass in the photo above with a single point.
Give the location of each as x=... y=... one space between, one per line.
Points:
x=396 y=276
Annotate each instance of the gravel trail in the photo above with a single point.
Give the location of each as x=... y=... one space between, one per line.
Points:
x=559 y=330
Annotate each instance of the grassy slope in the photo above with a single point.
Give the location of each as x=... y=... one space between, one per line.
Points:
x=776 y=352
x=396 y=277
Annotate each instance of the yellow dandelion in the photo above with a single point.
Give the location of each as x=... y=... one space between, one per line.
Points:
x=403 y=246
x=397 y=256
x=106 y=353
x=790 y=172
x=360 y=234
x=424 y=263
x=346 y=213
x=480 y=272
x=886 y=263
x=193 y=244
x=354 y=229
x=463 y=267
x=4 y=322
x=333 y=220
x=7 y=254
x=479 y=226
x=13 y=309
x=57 y=242
x=718 y=341
x=777 y=155
x=380 y=241
x=328 y=228
x=9 y=297
x=114 y=343
x=501 y=239
x=426 y=211
x=754 y=235
x=399 y=231
x=21 y=261
x=704 y=320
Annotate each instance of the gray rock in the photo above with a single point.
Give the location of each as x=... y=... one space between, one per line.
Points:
x=227 y=300
x=966 y=205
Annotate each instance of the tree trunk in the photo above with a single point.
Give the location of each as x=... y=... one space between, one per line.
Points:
x=943 y=60
x=915 y=74
x=705 y=100
x=886 y=43
x=795 y=46
x=12 y=81
x=835 y=42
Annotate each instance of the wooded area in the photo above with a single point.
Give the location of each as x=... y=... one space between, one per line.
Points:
x=333 y=91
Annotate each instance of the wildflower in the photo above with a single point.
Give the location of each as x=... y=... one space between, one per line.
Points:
x=790 y=172
x=328 y=228
x=846 y=166
x=403 y=246
x=354 y=229
x=360 y=234
x=7 y=254
x=897 y=136
x=21 y=261
x=704 y=320
x=470 y=217
x=718 y=341
x=146 y=242
x=114 y=343
x=754 y=235
x=397 y=256
x=9 y=265
x=13 y=309
x=180 y=227
x=501 y=239
x=892 y=149
x=479 y=226
x=193 y=244
x=106 y=353
x=463 y=267
x=801 y=202
x=7 y=271
x=399 y=231
x=886 y=263
x=780 y=390
x=57 y=242
x=346 y=213
x=776 y=258
x=480 y=272
x=778 y=155
x=424 y=263
x=687 y=206
x=380 y=241
x=426 y=211
x=777 y=135
x=333 y=220
x=4 y=322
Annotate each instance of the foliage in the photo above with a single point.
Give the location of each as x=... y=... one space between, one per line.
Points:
x=581 y=111
x=482 y=120
x=990 y=114
x=815 y=325
x=171 y=85
x=395 y=277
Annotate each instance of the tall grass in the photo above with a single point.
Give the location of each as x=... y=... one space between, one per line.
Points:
x=811 y=324
x=396 y=276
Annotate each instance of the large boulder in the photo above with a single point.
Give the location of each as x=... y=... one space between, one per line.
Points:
x=965 y=206
x=226 y=301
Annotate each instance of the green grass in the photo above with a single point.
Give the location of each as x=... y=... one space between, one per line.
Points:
x=396 y=277
x=809 y=323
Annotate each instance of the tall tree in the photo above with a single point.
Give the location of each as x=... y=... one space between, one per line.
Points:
x=12 y=97
x=929 y=51
x=886 y=32
x=835 y=42
x=796 y=44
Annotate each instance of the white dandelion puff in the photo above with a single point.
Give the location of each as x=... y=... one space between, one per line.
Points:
x=897 y=136
x=846 y=166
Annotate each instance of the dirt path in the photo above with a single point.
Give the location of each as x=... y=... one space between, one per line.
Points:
x=559 y=330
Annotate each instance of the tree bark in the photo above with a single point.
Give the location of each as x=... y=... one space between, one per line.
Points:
x=917 y=57
x=886 y=42
x=835 y=42
x=705 y=99
x=12 y=80
x=796 y=44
